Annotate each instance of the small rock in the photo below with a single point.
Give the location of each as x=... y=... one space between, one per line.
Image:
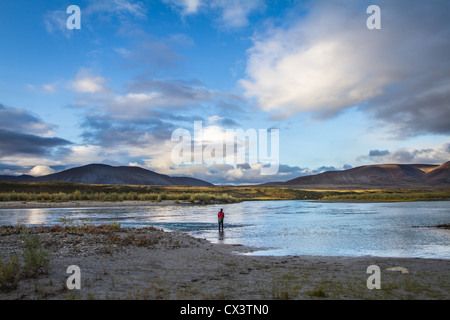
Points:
x=399 y=269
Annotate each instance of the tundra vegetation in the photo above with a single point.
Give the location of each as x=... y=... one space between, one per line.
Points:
x=35 y=260
x=63 y=192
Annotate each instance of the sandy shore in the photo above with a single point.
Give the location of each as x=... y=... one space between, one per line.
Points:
x=153 y=264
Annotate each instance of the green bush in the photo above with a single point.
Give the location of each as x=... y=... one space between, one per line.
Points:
x=9 y=273
x=36 y=258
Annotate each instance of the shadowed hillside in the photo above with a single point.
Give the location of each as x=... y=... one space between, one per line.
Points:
x=381 y=176
x=105 y=174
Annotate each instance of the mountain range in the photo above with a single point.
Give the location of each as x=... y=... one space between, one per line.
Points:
x=370 y=176
x=105 y=174
x=377 y=176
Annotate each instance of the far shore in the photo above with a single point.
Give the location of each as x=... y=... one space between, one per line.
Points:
x=89 y=204
x=377 y=201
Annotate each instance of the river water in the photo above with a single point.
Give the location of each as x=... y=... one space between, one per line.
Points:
x=399 y=229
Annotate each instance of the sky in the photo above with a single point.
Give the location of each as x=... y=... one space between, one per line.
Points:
x=339 y=94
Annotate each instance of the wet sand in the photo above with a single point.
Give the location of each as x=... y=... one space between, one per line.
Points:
x=152 y=264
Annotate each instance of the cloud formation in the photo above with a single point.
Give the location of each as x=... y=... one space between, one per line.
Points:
x=319 y=59
x=233 y=13
x=41 y=171
x=329 y=61
x=20 y=120
x=16 y=143
x=23 y=134
x=378 y=153
x=86 y=82
x=187 y=7
x=432 y=155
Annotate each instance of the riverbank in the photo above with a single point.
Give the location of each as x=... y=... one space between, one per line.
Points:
x=89 y=204
x=148 y=263
x=65 y=192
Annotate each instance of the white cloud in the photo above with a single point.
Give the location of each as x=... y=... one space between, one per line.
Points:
x=323 y=63
x=134 y=105
x=50 y=88
x=234 y=174
x=134 y=164
x=214 y=119
x=328 y=60
x=147 y=96
x=41 y=171
x=233 y=13
x=213 y=134
x=191 y=6
x=136 y=99
x=86 y=82
x=187 y=7
x=29 y=162
x=85 y=154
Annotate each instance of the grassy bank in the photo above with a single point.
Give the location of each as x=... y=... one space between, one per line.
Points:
x=62 y=192
x=391 y=195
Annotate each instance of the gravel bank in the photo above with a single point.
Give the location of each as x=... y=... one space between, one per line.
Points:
x=148 y=263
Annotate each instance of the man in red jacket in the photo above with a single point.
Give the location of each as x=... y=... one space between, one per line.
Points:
x=221 y=215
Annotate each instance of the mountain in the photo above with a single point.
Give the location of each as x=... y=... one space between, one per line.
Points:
x=16 y=178
x=440 y=175
x=105 y=174
x=382 y=176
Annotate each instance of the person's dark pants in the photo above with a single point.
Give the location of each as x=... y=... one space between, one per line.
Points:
x=221 y=223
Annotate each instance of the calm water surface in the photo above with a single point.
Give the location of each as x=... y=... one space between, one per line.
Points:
x=284 y=227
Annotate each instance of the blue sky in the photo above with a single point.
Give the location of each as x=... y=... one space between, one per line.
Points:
x=114 y=91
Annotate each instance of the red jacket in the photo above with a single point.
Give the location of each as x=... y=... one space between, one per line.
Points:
x=221 y=214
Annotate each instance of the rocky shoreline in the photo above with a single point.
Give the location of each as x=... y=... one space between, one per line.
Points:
x=148 y=263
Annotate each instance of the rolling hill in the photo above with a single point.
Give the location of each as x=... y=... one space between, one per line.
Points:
x=377 y=176
x=105 y=174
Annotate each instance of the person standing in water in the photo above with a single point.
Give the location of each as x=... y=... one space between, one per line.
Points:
x=221 y=215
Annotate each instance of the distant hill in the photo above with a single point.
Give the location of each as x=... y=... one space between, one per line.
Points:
x=105 y=174
x=21 y=178
x=381 y=176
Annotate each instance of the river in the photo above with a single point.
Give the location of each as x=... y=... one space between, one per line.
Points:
x=398 y=229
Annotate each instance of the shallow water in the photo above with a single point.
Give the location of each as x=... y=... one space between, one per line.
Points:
x=284 y=227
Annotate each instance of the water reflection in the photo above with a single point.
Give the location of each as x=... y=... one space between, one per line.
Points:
x=221 y=238
x=288 y=227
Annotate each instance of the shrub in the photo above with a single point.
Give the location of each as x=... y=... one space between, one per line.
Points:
x=10 y=273
x=318 y=292
x=36 y=258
